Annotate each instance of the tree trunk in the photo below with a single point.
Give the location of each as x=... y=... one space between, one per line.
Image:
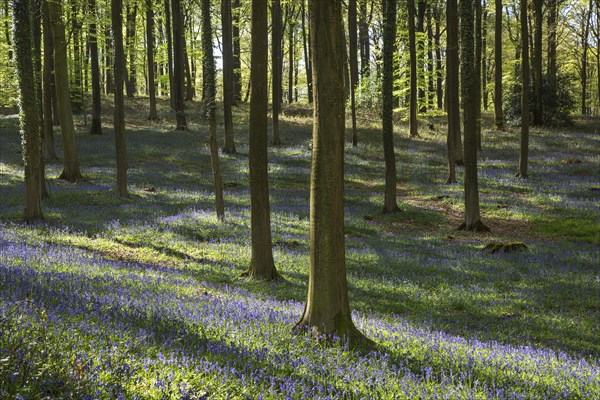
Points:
x=498 y=114
x=169 y=35
x=420 y=54
x=228 y=76
x=585 y=30
x=537 y=63
x=96 y=128
x=29 y=109
x=71 y=170
x=152 y=114
x=478 y=57
x=178 y=65
x=307 y=58
x=275 y=66
x=189 y=81
x=37 y=58
x=524 y=149
x=452 y=90
x=438 y=57
x=76 y=88
x=48 y=85
x=472 y=219
x=262 y=265
x=389 y=41
x=131 y=85
x=291 y=55
x=412 y=48
x=210 y=106
x=119 y=109
x=237 y=61
x=353 y=58
x=363 y=40
x=484 y=60
x=552 y=43
x=430 y=61
x=7 y=35
x=327 y=309
x=108 y=61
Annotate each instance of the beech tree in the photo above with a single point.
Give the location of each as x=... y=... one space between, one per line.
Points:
x=262 y=265
x=152 y=114
x=453 y=141
x=228 y=75
x=276 y=67
x=96 y=127
x=524 y=144
x=353 y=58
x=178 y=65
x=498 y=114
x=412 y=48
x=119 y=109
x=327 y=309
x=29 y=110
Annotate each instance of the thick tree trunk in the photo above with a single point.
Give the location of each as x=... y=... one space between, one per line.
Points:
x=524 y=149
x=262 y=265
x=389 y=40
x=131 y=85
x=37 y=56
x=237 y=60
x=484 y=59
x=537 y=63
x=228 y=76
x=477 y=76
x=327 y=309
x=152 y=114
x=472 y=219
x=29 y=109
x=276 y=67
x=71 y=170
x=498 y=114
x=96 y=127
x=119 y=109
x=48 y=89
x=412 y=48
x=178 y=65
x=210 y=106
x=452 y=90
x=353 y=58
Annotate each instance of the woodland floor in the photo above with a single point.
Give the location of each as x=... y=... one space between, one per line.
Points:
x=152 y=281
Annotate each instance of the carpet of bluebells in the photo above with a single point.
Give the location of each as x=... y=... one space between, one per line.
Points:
x=141 y=297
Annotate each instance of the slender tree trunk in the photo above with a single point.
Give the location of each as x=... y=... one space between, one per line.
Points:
x=291 y=55
x=7 y=35
x=353 y=58
x=552 y=43
x=37 y=56
x=119 y=109
x=524 y=150
x=237 y=60
x=71 y=170
x=327 y=309
x=389 y=40
x=498 y=114
x=48 y=85
x=585 y=30
x=210 y=106
x=131 y=85
x=478 y=57
x=228 y=76
x=189 y=81
x=438 y=57
x=76 y=87
x=178 y=65
x=307 y=58
x=452 y=89
x=108 y=61
x=484 y=65
x=420 y=54
x=472 y=221
x=29 y=108
x=537 y=63
x=363 y=40
x=96 y=128
x=262 y=265
x=152 y=114
x=169 y=36
x=412 y=48
x=275 y=66
x=430 y=61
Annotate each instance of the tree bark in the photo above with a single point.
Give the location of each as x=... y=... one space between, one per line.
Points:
x=524 y=148
x=472 y=218
x=412 y=48
x=537 y=63
x=291 y=55
x=96 y=127
x=108 y=61
x=484 y=59
x=75 y=38
x=363 y=40
x=477 y=74
x=454 y=146
x=276 y=67
x=327 y=309
x=178 y=65
x=390 y=204
x=420 y=54
x=353 y=58
x=210 y=106
x=552 y=44
x=228 y=75
x=131 y=14
x=498 y=114
x=169 y=36
x=262 y=265
x=438 y=57
x=48 y=89
x=307 y=57
x=119 y=109
x=71 y=171
x=152 y=114
x=29 y=108
x=237 y=60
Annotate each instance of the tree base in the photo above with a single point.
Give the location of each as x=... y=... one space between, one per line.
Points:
x=504 y=247
x=450 y=181
x=70 y=176
x=228 y=150
x=477 y=226
x=521 y=175
x=392 y=210
x=250 y=274
x=346 y=333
